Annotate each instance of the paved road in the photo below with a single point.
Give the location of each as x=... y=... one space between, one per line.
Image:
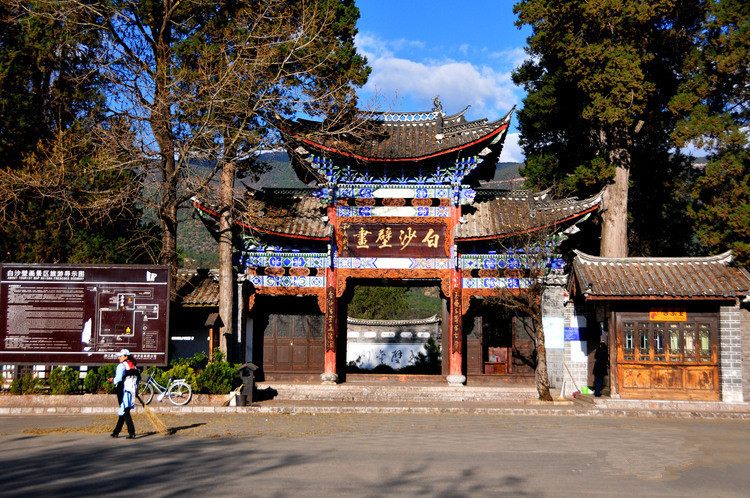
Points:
x=375 y=455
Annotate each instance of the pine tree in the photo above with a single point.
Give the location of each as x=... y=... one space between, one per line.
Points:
x=49 y=96
x=714 y=102
x=598 y=83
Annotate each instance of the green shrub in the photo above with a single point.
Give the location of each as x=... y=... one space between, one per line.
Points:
x=96 y=380
x=28 y=384
x=197 y=362
x=64 y=381
x=182 y=372
x=218 y=378
x=217 y=356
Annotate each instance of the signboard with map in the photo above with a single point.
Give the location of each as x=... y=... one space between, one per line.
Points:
x=83 y=314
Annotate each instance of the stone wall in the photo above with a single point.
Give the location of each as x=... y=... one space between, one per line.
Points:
x=745 y=331
x=730 y=354
x=553 y=307
x=570 y=363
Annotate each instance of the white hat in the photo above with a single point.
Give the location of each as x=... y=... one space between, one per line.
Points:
x=124 y=352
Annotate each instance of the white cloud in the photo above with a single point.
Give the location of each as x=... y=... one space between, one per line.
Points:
x=372 y=46
x=458 y=83
x=413 y=84
x=489 y=91
x=513 y=57
x=512 y=152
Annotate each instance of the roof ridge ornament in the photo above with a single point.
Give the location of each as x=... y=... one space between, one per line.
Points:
x=437 y=106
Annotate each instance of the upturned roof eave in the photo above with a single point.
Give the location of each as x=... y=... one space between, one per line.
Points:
x=482 y=141
x=532 y=229
x=275 y=233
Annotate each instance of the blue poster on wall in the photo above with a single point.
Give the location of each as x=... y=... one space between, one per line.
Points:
x=572 y=334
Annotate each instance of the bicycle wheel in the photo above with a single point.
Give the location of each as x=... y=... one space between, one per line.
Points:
x=146 y=393
x=179 y=393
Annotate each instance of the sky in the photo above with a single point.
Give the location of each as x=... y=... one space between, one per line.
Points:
x=462 y=50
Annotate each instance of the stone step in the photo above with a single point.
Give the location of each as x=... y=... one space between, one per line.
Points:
x=393 y=393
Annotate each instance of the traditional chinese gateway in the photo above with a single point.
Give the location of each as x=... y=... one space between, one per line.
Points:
x=402 y=203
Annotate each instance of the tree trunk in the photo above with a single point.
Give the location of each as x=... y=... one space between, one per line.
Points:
x=614 y=243
x=168 y=220
x=161 y=124
x=226 y=267
x=541 y=375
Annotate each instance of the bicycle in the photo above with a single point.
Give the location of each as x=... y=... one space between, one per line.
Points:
x=178 y=391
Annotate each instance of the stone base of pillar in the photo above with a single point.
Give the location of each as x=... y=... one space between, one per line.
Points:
x=456 y=380
x=329 y=378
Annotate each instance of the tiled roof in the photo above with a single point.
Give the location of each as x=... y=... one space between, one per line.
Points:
x=678 y=278
x=503 y=213
x=393 y=323
x=197 y=287
x=299 y=215
x=405 y=137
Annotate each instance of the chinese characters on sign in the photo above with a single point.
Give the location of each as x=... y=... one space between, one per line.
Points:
x=668 y=315
x=83 y=314
x=393 y=240
x=457 y=323
x=331 y=323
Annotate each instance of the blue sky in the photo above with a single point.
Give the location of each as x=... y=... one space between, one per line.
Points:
x=462 y=50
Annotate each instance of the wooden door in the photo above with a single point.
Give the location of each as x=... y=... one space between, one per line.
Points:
x=668 y=359
x=293 y=343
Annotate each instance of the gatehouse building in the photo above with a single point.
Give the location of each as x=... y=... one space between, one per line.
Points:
x=403 y=203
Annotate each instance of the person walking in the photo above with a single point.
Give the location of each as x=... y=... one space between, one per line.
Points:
x=126 y=382
x=601 y=364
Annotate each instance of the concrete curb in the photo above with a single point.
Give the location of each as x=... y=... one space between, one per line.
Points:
x=509 y=410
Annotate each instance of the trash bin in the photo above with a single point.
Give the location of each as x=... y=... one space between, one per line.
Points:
x=247 y=375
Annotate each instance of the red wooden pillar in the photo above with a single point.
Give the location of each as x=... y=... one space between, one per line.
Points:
x=329 y=374
x=455 y=359
x=456 y=376
x=331 y=331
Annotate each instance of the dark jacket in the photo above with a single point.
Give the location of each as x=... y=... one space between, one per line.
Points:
x=601 y=361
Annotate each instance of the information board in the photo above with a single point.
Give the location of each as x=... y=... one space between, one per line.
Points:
x=83 y=314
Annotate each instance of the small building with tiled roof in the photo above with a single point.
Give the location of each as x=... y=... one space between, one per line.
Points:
x=675 y=326
x=196 y=298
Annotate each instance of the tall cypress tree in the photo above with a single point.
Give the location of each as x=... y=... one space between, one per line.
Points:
x=598 y=84
x=714 y=103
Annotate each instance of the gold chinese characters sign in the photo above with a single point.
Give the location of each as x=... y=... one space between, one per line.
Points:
x=392 y=240
x=668 y=315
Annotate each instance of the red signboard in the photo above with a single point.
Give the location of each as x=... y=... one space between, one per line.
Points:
x=393 y=240
x=83 y=314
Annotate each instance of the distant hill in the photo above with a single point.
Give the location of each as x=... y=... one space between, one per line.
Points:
x=506 y=177
x=281 y=174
